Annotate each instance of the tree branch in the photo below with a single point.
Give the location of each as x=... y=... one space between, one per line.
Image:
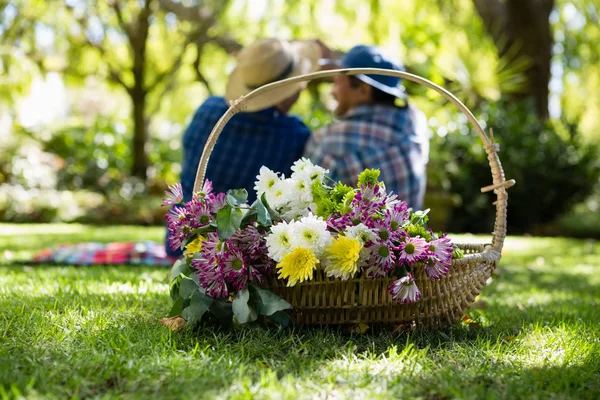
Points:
x=195 y=14
x=124 y=25
x=230 y=45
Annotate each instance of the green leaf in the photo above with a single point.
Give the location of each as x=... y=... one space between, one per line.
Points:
x=274 y=214
x=229 y=220
x=262 y=214
x=174 y=289
x=268 y=302
x=177 y=308
x=248 y=216
x=187 y=288
x=199 y=304
x=282 y=318
x=221 y=309
x=235 y=197
x=242 y=308
x=180 y=267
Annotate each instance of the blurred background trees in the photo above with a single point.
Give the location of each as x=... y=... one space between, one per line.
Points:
x=94 y=97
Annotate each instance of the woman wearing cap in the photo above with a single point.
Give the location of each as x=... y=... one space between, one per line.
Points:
x=372 y=131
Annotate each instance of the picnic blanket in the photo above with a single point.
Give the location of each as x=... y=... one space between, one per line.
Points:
x=95 y=253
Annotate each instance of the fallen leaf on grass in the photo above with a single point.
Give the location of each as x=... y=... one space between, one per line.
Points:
x=470 y=322
x=175 y=324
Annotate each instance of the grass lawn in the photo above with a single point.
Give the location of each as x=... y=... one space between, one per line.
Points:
x=69 y=332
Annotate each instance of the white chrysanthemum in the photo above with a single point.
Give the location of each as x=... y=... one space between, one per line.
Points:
x=266 y=180
x=277 y=195
x=361 y=232
x=305 y=168
x=300 y=187
x=301 y=165
x=311 y=233
x=279 y=241
x=294 y=210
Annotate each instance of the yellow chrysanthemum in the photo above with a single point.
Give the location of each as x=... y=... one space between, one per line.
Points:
x=297 y=266
x=194 y=246
x=342 y=257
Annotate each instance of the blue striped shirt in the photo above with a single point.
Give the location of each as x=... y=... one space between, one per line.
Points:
x=247 y=142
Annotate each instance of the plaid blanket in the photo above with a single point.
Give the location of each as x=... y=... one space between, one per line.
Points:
x=94 y=253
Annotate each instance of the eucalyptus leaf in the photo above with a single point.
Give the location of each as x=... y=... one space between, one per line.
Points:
x=282 y=318
x=235 y=197
x=268 y=302
x=242 y=308
x=249 y=215
x=177 y=308
x=199 y=304
x=187 y=288
x=221 y=309
x=274 y=214
x=174 y=288
x=262 y=214
x=228 y=221
x=179 y=267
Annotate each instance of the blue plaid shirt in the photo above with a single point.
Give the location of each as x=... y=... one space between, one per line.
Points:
x=375 y=136
x=247 y=142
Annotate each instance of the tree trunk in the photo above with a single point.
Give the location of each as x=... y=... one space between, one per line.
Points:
x=140 y=136
x=138 y=93
x=525 y=24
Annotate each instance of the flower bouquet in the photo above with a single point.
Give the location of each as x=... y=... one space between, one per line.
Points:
x=298 y=226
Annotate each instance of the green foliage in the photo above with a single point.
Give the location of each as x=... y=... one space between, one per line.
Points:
x=553 y=168
x=369 y=177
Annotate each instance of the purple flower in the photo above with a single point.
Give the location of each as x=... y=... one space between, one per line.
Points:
x=436 y=269
x=212 y=247
x=206 y=190
x=199 y=211
x=178 y=227
x=397 y=215
x=405 y=290
x=211 y=275
x=217 y=202
x=414 y=249
x=174 y=195
x=235 y=268
x=441 y=248
x=381 y=261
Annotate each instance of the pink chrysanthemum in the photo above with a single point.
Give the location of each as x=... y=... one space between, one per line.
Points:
x=235 y=268
x=174 y=195
x=414 y=249
x=381 y=261
x=405 y=290
x=206 y=190
x=178 y=227
x=211 y=275
x=436 y=269
x=212 y=247
x=441 y=248
x=397 y=215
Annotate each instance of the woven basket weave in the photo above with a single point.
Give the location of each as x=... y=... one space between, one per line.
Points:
x=325 y=300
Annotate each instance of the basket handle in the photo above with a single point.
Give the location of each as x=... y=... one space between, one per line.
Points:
x=499 y=183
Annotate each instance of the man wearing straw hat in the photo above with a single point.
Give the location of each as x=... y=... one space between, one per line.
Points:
x=264 y=133
x=376 y=129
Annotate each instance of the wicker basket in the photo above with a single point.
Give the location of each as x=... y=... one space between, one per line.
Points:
x=325 y=300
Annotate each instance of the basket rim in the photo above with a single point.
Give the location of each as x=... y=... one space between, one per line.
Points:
x=499 y=183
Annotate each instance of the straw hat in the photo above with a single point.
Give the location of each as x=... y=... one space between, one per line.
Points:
x=267 y=61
